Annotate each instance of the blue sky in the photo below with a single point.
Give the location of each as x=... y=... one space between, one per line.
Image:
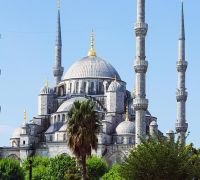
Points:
x=27 y=52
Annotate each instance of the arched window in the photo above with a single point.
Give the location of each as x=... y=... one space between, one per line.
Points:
x=63 y=118
x=64 y=137
x=61 y=91
x=122 y=140
x=14 y=156
x=50 y=138
x=92 y=88
x=14 y=144
x=84 y=87
x=70 y=87
x=101 y=88
x=97 y=88
x=77 y=87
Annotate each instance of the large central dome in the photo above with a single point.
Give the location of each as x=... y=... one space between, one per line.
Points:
x=91 y=67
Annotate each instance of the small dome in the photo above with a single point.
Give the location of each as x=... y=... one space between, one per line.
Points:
x=170 y=132
x=115 y=87
x=91 y=67
x=125 y=127
x=16 y=133
x=153 y=123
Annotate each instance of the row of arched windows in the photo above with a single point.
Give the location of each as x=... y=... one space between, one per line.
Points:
x=57 y=138
x=124 y=140
x=58 y=118
x=99 y=89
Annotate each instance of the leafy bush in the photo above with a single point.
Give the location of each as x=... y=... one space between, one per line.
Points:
x=63 y=167
x=162 y=159
x=10 y=170
x=44 y=168
x=114 y=173
x=96 y=167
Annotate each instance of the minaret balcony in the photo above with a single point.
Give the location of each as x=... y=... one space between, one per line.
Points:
x=58 y=71
x=181 y=96
x=141 y=66
x=180 y=127
x=140 y=104
x=181 y=66
x=140 y=28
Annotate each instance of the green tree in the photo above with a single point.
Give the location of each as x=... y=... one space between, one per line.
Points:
x=63 y=167
x=56 y=168
x=113 y=173
x=83 y=127
x=40 y=168
x=96 y=167
x=10 y=170
x=155 y=160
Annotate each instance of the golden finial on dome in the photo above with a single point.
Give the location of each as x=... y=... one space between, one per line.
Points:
x=115 y=78
x=92 y=52
x=127 y=118
x=47 y=83
x=24 y=116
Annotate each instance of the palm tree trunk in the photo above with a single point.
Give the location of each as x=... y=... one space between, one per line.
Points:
x=83 y=162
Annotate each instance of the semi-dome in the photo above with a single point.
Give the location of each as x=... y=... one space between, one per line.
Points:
x=170 y=132
x=67 y=105
x=91 y=67
x=115 y=87
x=16 y=133
x=63 y=128
x=125 y=127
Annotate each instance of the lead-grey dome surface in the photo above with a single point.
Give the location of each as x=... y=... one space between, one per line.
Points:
x=91 y=67
x=16 y=133
x=67 y=105
x=125 y=127
x=115 y=87
x=153 y=123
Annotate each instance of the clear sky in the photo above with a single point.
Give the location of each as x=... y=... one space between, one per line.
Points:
x=27 y=52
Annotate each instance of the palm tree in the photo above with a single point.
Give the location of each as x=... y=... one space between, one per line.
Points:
x=82 y=128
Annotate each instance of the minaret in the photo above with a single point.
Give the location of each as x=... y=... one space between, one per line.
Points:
x=58 y=69
x=140 y=102
x=181 y=94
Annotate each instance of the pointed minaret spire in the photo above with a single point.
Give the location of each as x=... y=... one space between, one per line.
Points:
x=24 y=123
x=58 y=69
x=92 y=51
x=140 y=102
x=127 y=118
x=182 y=29
x=181 y=94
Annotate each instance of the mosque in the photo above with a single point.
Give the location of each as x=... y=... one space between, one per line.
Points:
x=124 y=115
